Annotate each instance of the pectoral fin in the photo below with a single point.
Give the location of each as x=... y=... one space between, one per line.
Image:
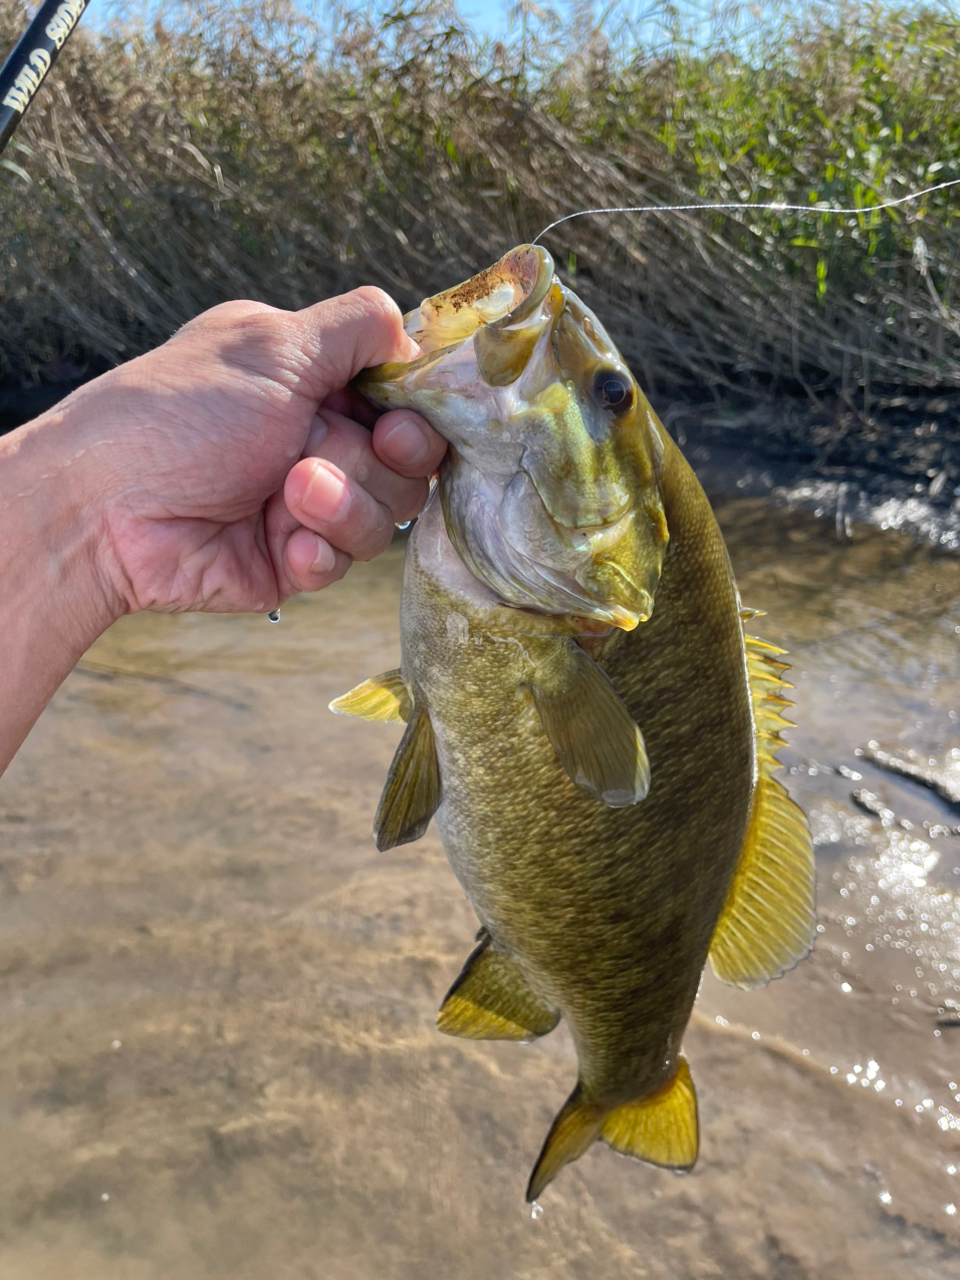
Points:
x=412 y=791
x=589 y=727
x=384 y=698
x=491 y=1000
x=768 y=922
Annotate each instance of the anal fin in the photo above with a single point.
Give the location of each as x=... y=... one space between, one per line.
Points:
x=411 y=795
x=492 y=1000
x=590 y=729
x=384 y=698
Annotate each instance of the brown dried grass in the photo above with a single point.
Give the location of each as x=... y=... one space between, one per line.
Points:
x=241 y=152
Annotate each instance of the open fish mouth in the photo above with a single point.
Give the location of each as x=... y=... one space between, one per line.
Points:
x=549 y=488
x=502 y=295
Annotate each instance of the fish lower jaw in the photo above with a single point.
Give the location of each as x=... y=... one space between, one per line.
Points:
x=622 y=619
x=618 y=616
x=596 y=625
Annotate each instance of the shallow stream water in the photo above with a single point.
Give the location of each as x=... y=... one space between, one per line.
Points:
x=217 y=999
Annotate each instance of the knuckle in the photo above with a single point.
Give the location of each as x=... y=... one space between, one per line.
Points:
x=374 y=299
x=227 y=314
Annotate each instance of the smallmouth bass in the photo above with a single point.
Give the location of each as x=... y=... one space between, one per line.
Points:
x=586 y=719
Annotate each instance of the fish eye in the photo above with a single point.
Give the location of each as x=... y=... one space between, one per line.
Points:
x=612 y=390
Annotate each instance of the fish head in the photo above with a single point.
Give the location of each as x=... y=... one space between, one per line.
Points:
x=550 y=488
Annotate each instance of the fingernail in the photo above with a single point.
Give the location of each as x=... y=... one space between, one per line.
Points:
x=319 y=430
x=324 y=557
x=326 y=495
x=407 y=443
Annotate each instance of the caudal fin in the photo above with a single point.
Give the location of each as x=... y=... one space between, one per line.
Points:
x=660 y=1128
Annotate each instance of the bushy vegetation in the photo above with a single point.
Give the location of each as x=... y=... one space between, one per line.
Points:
x=238 y=150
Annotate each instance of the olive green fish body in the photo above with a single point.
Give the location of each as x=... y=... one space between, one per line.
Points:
x=608 y=912
x=585 y=716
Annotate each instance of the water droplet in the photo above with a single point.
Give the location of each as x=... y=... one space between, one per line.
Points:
x=536 y=1211
x=274 y=615
x=846 y=987
x=885 y=1197
x=403 y=524
x=754 y=1035
x=116 y=1044
x=950 y=1208
x=105 y=1196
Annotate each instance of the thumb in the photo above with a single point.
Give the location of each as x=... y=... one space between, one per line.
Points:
x=340 y=336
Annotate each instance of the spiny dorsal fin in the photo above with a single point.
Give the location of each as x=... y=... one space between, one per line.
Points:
x=491 y=1000
x=412 y=791
x=384 y=698
x=589 y=727
x=662 y=1128
x=768 y=922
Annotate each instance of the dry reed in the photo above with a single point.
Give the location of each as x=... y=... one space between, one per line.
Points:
x=238 y=151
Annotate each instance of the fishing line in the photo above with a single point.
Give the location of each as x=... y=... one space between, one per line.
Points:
x=775 y=207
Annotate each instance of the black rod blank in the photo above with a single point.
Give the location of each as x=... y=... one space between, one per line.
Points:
x=34 y=54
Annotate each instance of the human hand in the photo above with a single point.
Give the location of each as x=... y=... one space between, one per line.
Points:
x=191 y=453
x=223 y=471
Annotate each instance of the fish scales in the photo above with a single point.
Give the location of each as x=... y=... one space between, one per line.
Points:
x=599 y=768
x=594 y=903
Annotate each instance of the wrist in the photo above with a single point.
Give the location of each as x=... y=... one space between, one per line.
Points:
x=54 y=599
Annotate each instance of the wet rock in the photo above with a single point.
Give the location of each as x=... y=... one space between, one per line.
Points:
x=940 y=775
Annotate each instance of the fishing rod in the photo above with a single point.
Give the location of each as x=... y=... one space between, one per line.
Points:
x=33 y=55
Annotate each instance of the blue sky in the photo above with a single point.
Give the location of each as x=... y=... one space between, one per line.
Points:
x=491 y=17
x=487 y=17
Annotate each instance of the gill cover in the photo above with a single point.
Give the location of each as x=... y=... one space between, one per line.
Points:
x=550 y=487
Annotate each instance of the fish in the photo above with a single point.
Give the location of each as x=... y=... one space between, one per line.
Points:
x=586 y=718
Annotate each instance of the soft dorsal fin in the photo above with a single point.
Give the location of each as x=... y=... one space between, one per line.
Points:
x=660 y=1127
x=768 y=922
x=492 y=1000
x=589 y=727
x=412 y=791
x=384 y=698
